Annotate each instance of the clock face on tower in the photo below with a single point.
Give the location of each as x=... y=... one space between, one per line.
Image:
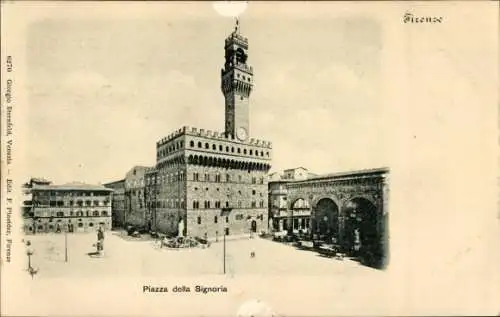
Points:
x=241 y=134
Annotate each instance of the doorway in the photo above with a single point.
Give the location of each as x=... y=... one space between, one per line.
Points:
x=254 y=226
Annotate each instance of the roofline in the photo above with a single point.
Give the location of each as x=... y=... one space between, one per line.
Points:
x=70 y=188
x=380 y=170
x=295 y=168
x=114 y=182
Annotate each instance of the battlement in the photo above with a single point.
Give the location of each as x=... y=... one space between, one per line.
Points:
x=222 y=136
x=237 y=38
x=171 y=136
x=186 y=130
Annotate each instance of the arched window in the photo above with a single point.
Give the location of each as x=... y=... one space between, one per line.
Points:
x=199 y=220
x=220 y=147
x=251 y=152
x=91 y=224
x=191 y=144
x=215 y=219
x=95 y=213
x=104 y=213
x=214 y=147
x=207 y=146
x=244 y=151
x=199 y=144
x=238 y=150
x=232 y=149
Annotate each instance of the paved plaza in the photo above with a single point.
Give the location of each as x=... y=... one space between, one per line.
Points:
x=126 y=256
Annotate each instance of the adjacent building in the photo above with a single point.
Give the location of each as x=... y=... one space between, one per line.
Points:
x=74 y=207
x=280 y=216
x=117 y=203
x=348 y=209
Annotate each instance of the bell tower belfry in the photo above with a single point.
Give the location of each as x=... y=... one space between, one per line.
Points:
x=236 y=85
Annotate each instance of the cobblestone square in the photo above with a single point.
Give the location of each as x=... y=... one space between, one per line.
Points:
x=128 y=256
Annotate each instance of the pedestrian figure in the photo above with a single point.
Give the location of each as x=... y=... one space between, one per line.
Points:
x=100 y=240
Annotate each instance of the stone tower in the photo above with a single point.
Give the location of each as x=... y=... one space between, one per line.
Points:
x=236 y=85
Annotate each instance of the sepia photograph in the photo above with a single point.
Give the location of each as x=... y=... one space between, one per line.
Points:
x=215 y=148
x=198 y=188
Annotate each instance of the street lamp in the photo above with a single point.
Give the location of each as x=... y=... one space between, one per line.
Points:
x=224 y=213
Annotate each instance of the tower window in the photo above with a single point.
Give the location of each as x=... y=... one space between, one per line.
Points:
x=227 y=148
x=239 y=151
x=199 y=220
x=191 y=144
x=220 y=147
x=215 y=219
x=232 y=149
x=214 y=147
x=206 y=146
x=251 y=152
x=199 y=144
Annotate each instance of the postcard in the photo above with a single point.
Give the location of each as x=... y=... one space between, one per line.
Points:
x=249 y=158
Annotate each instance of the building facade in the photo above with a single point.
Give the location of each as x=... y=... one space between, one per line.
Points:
x=347 y=209
x=117 y=203
x=279 y=214
x=135 y=205
x=74 y=207
x=150 y=193
x=201 y=172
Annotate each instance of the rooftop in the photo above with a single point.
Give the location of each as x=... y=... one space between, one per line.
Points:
x=381 y=170
x=72 y=186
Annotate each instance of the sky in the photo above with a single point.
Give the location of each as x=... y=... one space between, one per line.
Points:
x=102 y=90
